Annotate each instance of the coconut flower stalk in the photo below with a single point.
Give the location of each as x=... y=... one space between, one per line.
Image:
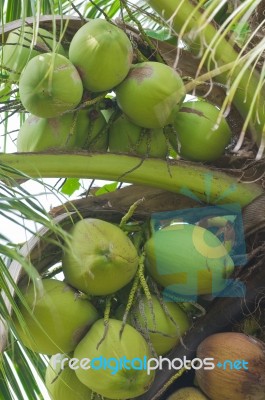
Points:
x=245 y=84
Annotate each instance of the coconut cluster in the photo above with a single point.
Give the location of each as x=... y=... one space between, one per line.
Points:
x=57 y=84
x=100 y=262
x=65 y=319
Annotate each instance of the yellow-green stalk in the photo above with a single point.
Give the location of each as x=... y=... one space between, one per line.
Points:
x=202 y=182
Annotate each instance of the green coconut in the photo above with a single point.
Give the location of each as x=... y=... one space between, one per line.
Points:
x=50 y=85
x=188 y=260
x=150 y=94
x=200 y=134
x=187 y=393
x=102 y=54
x=126 y=137
x=62 y=383
x=70 y=131
x=23 y=44
x=163 y=324
x=100 y=259
x=56 y=320
x=106 y=375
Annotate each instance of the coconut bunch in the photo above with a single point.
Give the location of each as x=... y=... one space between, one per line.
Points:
x=119 y=289
x=58 y=317
x=52 y=86
x=66 y=318
x=64 y=91
x=115 y=301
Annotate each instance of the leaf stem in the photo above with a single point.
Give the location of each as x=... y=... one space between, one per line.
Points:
x=191 y=179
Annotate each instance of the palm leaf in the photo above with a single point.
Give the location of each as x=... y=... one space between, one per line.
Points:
x=21 y=371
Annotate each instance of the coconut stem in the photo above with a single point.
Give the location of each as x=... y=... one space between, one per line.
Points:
x=106 y=318
x=130 y=301
x=142 y=279
x=130 y=213
x=141 y=30
x=190 y=179
x=176 y=376
x=90 y=102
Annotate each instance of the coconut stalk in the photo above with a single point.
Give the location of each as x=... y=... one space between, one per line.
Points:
x=193 y=180
x=245 y=84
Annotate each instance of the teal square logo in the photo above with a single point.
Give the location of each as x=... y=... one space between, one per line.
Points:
x=196 y=251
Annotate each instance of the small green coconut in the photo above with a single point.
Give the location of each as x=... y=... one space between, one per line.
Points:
x=102 y=54
x=188 y=259
x=117 y=366
x=62 y=383
x=150 y=94
x=126 y=137
x=162 y=324
x=56 y=320
x=200 y=135
x=70 y=131
x=50 y=85
x=23 y=44
x=100 y=259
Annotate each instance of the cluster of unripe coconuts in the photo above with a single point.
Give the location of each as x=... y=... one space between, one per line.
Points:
x=67 y=319
x=100 y=259
x=58 y=88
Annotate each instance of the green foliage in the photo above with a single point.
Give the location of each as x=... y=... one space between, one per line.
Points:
x=16 y=379
x=163 y=34
x=95 y=9
x=70 y=186
x=241 y=32
x=109 y=187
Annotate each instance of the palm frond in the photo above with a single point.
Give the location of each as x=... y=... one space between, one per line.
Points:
x=22 y=374
x=21 y=371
